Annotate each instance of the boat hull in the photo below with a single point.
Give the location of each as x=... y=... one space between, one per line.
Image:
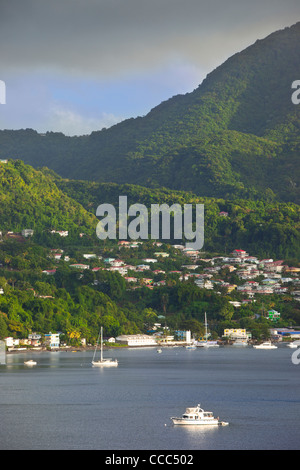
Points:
x=105 y=363
x=200 y=422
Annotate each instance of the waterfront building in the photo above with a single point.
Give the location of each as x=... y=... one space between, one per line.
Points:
x=136 y=340
x=237 y=334
x=52 y=340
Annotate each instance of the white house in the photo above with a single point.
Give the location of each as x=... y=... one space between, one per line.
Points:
x=27 y=232
x=80 y=266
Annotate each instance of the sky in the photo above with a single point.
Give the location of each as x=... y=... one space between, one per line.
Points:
x=77 y=66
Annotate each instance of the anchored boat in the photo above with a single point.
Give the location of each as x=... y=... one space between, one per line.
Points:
x=30 y=363
x=197 y=416
x=103 y=362
x=265 y=345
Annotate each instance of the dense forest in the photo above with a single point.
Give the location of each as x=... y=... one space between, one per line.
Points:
x=267 y=228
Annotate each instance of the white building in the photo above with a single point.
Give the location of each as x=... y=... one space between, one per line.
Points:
x=62 y=233
x=52 y=340
x=11 y=342
x=27 y=232
x=137 y=340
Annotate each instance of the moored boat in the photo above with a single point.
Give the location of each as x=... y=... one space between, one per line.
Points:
x=293 y=344
x=30 y=363
x=197 y=416
x=103 y=362
x=265 y=345
x=206 y=343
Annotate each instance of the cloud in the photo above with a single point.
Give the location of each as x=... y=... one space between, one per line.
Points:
x=71 y=122
x=80 y=65
x=105 y=38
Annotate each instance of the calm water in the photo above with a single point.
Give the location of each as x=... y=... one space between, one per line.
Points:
x=64 y=403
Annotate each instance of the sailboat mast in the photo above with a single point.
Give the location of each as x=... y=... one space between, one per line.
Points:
x=101 y=344
x=205 y=328
x=96 y=346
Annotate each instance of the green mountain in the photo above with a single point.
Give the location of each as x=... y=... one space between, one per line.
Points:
x=30 y=199
x=236 y=135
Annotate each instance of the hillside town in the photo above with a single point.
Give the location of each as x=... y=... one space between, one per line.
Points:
x=253 y=278
x=274 y=276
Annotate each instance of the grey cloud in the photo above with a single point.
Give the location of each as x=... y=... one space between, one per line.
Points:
x=105 y=37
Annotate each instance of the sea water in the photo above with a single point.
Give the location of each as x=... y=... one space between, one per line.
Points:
x=65 y=403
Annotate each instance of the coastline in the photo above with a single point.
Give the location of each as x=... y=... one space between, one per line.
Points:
x=89 y=348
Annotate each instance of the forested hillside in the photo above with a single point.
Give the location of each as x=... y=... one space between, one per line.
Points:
x=268 y=228
x=29 y=199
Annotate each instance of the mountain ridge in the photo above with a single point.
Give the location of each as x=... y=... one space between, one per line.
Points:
x=235 y=135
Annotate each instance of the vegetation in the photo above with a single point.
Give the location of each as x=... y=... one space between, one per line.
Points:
x=270 y=229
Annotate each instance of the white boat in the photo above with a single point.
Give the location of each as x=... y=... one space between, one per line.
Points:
x=30 y=363
x=159 y=350
x=190 y=346
x=210 y=344
x=197 y=416
x=293 y=344
x=265 y=345
x=103 y=362
x=207 y=344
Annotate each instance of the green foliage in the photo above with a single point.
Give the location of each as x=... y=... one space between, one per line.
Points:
x=30 y=199
x=267 y=228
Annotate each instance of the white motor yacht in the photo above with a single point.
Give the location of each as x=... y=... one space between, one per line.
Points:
x=197 y=416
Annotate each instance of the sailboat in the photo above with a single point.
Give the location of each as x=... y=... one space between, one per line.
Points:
x=103 y=362
x=208 y=344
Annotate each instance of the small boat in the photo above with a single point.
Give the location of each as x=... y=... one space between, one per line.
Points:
x=103 y=362
x=292 y=345
x=197 y=416
x=210 y=344
x=30 y=363
x=190 y=346
x=207 y=344
x=265 y=345
x=159 y=350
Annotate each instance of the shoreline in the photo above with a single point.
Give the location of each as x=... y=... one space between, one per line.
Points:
x=89 y=348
